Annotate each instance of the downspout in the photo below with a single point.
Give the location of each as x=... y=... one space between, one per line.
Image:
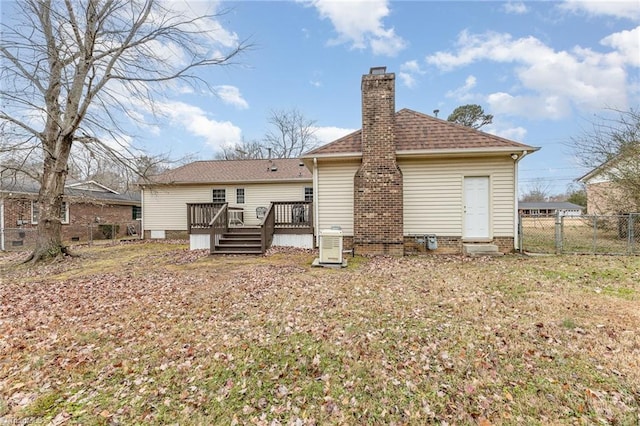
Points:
x=516 y=237
x=315 y=201
x=142 y=212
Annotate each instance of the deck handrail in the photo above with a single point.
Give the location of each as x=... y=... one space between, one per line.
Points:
x=218 y=225
x=267 y=227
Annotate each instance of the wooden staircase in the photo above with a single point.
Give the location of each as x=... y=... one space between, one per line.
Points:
x=239 y=241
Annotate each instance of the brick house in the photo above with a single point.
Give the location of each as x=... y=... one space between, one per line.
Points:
x=406 y=175
x=90 y=211
x=604 y=195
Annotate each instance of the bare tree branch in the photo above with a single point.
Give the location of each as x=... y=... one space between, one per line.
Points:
x=75 y=71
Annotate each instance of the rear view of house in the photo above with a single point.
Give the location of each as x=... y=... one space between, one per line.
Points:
x=407 y=178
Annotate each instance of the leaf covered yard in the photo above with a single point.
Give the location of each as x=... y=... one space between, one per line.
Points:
x=151 y=333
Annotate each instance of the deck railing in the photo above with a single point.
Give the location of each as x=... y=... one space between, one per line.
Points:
x=293 y=214
x=199 y=215
x=218 y=225
x=282 y=217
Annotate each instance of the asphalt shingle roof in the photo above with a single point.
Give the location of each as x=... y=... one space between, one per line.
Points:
x=24 y=186
x=416 y=131
x=550 y=205
x=230 y=171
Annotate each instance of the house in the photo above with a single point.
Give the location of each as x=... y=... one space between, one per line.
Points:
x=181 y=203
x=405 y=176
x=549 y=209
x=90 y=211
x=614 y=186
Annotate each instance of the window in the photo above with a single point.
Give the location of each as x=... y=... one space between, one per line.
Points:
x=136 y=212
x=64 y=212
x=308 y=193
x=239 y=195
x=219 y=196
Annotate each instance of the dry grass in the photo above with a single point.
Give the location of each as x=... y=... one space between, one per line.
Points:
x=154 y=334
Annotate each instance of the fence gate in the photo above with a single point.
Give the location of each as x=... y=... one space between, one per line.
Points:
x=586 y=234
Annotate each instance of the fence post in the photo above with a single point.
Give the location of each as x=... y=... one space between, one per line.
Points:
x=595 y=234
x=558 y=233
x=631 y=233
x=520 y=234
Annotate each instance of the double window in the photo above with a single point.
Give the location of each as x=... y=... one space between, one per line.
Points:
x=64 y=212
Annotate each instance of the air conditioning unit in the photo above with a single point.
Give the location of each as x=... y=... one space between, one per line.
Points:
x=331 y=246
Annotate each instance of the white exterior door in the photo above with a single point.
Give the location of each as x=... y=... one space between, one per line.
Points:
x=476 y=208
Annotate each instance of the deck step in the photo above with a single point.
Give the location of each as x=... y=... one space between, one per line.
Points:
x=240 y=241
x=481 y=250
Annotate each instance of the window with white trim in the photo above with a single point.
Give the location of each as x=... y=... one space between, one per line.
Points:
x=239 y=195
x=64 y=213
x=219 y=196
x=308 y=193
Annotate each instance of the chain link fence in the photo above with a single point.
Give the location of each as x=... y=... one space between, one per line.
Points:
x=25 y=238
x=586 y=234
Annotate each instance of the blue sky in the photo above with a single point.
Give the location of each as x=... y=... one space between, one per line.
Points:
x=543 y=69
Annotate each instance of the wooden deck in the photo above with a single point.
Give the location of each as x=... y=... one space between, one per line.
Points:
x=224 y=225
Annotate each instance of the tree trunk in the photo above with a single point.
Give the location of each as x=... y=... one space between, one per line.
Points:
x=49 y=239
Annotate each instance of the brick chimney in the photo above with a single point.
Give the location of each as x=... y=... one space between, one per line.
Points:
x=377 y=210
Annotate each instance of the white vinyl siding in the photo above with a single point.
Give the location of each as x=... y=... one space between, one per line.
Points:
x=165 y=207
x=433 y=194
x=335 y=196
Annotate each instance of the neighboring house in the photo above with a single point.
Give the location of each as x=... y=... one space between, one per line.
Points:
x=86 y=208
x=406 y=175
x=248 y=187
x=549 y=209
x=606 y=197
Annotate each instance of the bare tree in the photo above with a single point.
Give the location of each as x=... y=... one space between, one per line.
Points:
x=247 y=150
x=470 y=115
x=538 y=191
x=74 y=71
x=292 y=134
x=611 y=148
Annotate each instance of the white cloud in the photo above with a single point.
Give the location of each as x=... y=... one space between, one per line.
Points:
x=407 y=79
x=330 y=134
x=407 y=73
x=315 y=83
x=505 y=131
x=627 y=9
x=463 y=93
x=553 y=80
x=195 y=121
x=231 y=95
x=627 y=43
x=550 y=106
x=515 y=8
x=359 y=22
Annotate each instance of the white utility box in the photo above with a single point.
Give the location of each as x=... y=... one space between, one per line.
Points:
x=331 y=246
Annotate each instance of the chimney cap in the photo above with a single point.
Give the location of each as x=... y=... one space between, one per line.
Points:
x=377 y=70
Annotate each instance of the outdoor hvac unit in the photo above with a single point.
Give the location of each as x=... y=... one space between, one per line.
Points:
x=331 y=246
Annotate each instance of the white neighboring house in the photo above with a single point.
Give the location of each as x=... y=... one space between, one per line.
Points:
x=549 y=209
